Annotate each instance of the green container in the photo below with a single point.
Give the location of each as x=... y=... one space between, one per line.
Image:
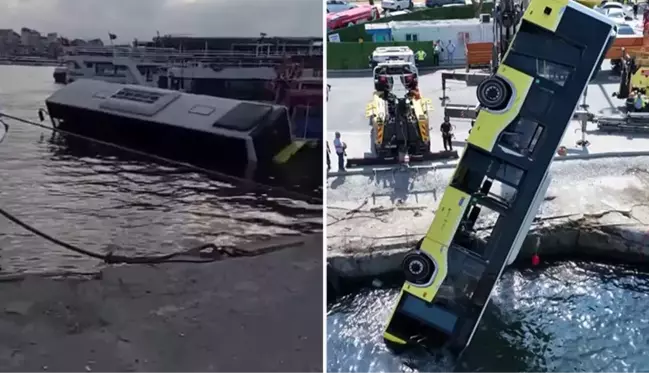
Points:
x=353 y=33
x=346 y=56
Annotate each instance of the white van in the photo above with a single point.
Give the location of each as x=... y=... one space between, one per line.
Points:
x=396 y=4
x=383 y=54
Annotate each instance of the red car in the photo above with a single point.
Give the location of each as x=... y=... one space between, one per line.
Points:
x=353 y=16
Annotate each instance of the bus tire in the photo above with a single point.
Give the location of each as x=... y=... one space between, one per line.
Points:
x=493 y=93
x=418 y=268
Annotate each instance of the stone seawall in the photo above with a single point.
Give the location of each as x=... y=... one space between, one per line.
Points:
x=615 y=235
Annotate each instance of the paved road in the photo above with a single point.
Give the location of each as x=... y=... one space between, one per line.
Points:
x=349 y=96
x=250 y=314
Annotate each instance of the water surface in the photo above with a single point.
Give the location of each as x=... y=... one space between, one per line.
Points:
x=97 y=199
x=568 y=317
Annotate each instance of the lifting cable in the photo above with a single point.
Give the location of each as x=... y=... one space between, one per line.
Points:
x=215 y=253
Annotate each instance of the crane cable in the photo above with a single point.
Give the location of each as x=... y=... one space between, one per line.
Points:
x=217 y=252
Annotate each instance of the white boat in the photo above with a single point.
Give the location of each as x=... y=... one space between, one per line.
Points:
x=116 y=68
x=260 y=74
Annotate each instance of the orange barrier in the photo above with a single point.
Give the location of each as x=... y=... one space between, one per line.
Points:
x=630 y=44
x=478 y=54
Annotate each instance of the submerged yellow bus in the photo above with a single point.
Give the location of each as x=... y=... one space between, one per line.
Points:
x=525 y=108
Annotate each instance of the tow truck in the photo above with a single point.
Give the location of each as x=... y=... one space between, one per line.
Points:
x=634 y=79
x=398 y=117
x=503 y=173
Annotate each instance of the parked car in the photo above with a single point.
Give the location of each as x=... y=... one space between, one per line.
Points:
x=335 y=6
x=624 y=29
x=607 y=6
x=618 y=15
x=439 y=3
x=396 y=4
x=353 y=16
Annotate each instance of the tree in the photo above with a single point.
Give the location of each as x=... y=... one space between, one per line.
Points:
x=477 y=5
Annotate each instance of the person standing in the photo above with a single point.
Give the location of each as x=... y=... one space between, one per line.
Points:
x=437 y=50
x=447 y=134
x=638 y=102
x=450 y=48
x=328 y=157
x=420 y=56
x=340 y=148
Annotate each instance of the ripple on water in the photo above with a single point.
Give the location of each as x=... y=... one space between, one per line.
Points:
x=568 y=317
x=93 y=198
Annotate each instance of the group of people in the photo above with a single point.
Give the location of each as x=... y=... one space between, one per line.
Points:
x=446 y=129
x=438 y=48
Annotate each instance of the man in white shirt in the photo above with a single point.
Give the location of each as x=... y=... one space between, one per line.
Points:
x=450 y=49
x=340 y=147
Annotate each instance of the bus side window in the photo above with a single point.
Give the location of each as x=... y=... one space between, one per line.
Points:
x=543 y=54
x=521 y=137
x=537 y=67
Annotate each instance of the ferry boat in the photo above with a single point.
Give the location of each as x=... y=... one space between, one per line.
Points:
x=260 y=72
x=116 y=65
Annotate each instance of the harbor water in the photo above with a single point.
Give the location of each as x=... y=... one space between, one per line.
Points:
x=571 y=316
x=104 y=201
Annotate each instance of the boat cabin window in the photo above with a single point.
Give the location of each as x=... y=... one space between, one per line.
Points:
x=147 y=71
x=73 y=65
x=247 y=89
x=307 y=120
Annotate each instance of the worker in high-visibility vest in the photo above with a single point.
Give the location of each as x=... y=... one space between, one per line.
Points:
x=420 y=56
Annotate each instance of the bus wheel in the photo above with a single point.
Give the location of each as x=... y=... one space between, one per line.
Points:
x=418 y=268
x=493 y=93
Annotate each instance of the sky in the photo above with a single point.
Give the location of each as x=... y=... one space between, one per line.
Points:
x=129 y=19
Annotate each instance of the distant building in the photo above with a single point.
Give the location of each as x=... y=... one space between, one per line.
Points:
x=95 y=43
x=52 y=37
x=9 y=41
x=78 y=43
x=29 y=37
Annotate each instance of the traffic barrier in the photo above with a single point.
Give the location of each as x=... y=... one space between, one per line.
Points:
x=478 y=54
x=631 y=45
